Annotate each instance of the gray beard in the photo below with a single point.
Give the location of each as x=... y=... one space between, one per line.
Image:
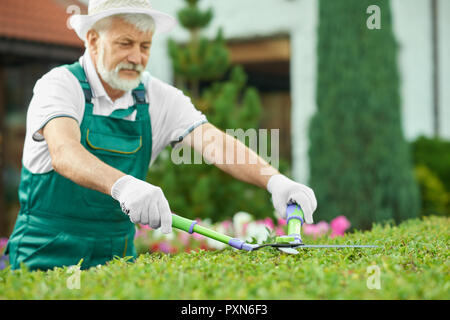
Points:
x=112 y=77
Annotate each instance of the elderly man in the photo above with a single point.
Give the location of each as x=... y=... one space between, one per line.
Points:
x=94 y=127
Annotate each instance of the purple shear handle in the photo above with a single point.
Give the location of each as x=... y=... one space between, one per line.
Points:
x=239 y=244
x=294 y=217
x=191 y=228
x=291 y=210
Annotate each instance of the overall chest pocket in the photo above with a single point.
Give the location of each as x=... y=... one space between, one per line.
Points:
x=113 y=144
x=118 y=151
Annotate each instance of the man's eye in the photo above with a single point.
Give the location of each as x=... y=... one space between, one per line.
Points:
x=124 y=43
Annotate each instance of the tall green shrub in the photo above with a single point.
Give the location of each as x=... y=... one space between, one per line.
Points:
x=202 y=190
x=360 y=163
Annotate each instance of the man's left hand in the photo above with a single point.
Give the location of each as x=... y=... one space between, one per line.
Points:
x=285 y=191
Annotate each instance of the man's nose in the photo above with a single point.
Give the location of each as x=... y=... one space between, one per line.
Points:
x=135 y=56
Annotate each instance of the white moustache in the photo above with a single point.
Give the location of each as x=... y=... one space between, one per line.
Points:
x=129 y=66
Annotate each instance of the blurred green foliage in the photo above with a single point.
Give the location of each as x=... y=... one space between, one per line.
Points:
x=435 y=198
x=432 y=161
x=202 y=190
x=202 y=59
x=190 y=17
x=435 y=154
x=360 y=163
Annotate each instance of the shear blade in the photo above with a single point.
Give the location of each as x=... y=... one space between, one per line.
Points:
x=334 y=246
x=288 y=250
x=291 y=248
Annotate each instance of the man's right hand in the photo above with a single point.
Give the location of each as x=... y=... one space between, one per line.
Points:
x=143 y=202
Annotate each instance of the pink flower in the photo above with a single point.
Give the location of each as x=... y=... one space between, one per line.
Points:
x=197 y=236
x=139 y=233
x=184 y=238
x=227 y=224
x=339 y=225
x=281 y=222
x=141 y=230
x=165 y=247
x=279 y=231
x=244 y=228
x=269 y=223
x=316 y=230
x=3 y=242
x=323 y=227
x=310 y=229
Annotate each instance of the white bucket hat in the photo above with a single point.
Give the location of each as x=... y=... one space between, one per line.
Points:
x=99 y=9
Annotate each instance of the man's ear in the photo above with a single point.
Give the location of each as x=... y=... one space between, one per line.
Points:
x=93 y=39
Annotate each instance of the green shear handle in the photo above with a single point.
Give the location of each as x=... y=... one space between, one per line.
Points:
x=295 y=220
x=192 y=226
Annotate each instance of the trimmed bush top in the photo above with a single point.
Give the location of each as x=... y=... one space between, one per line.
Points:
x=413 y=263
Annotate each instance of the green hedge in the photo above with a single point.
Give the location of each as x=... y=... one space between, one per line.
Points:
x=360 y=163
x=413 y=262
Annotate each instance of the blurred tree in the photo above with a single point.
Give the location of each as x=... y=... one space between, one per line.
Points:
x=202 y=190
x=360 y=162
x=435 y=199
x=434 y=153
x=432 y=167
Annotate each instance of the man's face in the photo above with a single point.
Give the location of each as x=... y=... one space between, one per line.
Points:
x=121 y=54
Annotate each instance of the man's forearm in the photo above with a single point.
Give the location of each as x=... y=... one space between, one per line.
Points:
x=254 y=170
x=230 y=155
x=74 y=162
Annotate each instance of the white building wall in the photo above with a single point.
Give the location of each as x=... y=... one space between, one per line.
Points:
x=444 y=66
x=413 y=31
x=303 y=88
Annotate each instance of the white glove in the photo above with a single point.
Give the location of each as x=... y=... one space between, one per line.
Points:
x=285 y=191
x=143 y=203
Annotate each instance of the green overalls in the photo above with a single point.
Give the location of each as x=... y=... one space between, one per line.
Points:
x=60 y=222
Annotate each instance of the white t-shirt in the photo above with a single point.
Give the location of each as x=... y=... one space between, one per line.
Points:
x=58 y=93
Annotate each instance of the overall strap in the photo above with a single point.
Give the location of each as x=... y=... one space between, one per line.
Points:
x=78 y=71
x=139 y=103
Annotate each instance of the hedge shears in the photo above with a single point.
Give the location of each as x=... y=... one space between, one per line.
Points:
x=287 y=244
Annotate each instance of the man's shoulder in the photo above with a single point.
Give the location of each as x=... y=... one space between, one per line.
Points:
x=155 y=85
x=60 y=84
x=59 y=75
